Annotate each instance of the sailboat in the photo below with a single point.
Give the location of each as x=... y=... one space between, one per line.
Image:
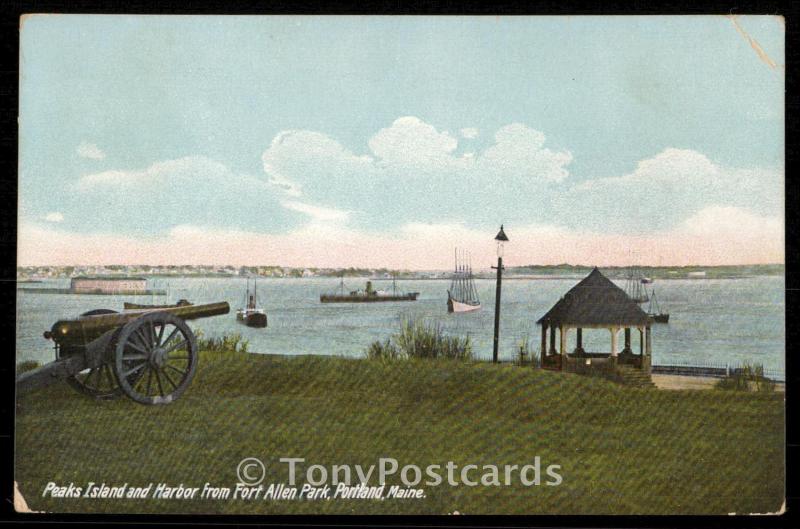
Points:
x=634 y=285
x=654 y=311
x=462 y=296
x=251 y=315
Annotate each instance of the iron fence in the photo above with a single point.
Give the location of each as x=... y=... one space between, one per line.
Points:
x=709 y=369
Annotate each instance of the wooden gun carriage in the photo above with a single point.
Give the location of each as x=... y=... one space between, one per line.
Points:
x=148 y=354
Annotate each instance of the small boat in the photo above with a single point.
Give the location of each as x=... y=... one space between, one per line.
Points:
x=646 y=280
x=654 y=311
x=137 y=306
x=251 y=315
x=368 y=295
x=462 y=295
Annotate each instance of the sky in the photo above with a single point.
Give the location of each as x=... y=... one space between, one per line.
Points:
x=388 y=141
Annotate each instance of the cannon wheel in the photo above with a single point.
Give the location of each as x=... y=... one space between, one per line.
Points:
x=155 y=358
x=98 y=382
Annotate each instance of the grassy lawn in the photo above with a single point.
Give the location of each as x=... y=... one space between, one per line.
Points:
x=621 y=450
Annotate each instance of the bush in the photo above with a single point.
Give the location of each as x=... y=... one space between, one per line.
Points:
x=226 y=344
x=27 y=365
x=382 y=350
x=747 y=378
x=420 y=340
x=525 y=354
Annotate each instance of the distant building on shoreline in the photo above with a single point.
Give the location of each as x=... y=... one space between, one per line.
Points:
x=108 y=285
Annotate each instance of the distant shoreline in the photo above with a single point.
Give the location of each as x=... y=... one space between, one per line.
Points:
x=30 y=274
x=549 y=277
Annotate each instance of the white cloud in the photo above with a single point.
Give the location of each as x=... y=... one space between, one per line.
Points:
x=668 y=188
x=54 y=216
x=317 y=213
x=414 y=172
x=469 y=132
x=297 y=160
x=518 y=154
x=732 y=222
x=188 y=169
x=410 y=140
x=90 y=150
x=192 y=189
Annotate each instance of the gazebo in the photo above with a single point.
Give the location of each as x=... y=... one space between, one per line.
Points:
x=594 y=303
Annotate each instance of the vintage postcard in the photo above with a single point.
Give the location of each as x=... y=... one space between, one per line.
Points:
x=401 y=265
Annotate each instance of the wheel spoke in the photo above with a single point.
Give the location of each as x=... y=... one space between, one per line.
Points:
x=142 y=349
x=136 y=337
x=182 y=373
x=149 y=381
x=144 y=340
x=171 y=336
x=136 y=356
x=175 y=346
x=160 y=334
x=134 y=370
x=174 y=385
x=158 y=380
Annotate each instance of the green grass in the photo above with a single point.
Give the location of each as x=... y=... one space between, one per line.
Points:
x=622 y=450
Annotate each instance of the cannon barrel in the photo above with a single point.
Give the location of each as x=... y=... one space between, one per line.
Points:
x=82 y=330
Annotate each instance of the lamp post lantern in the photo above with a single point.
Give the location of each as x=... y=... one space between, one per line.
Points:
x=501 y=238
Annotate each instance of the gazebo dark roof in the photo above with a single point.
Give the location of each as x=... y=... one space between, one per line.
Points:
x=595 y=301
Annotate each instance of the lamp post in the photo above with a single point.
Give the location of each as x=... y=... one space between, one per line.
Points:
x=500 y=238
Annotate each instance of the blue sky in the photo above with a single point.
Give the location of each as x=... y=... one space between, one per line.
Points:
x=319 y=130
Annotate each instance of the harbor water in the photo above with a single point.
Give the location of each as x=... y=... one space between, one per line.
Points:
x=712 y=321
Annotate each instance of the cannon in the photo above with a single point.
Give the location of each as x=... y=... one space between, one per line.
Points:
x=148 y=354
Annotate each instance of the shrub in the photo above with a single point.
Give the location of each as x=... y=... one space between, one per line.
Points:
x=27 y=365
x=420 y=340
x=747 y=378
x=382 y=350
x=226 y=344
x=525 y=354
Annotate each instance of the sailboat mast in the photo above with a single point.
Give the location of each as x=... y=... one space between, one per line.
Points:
x=467 y=278
x=463 y=292
x=458 y=276
x=470 y=286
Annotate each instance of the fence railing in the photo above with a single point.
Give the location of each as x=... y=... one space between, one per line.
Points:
x=711 y=370
x=697 y=369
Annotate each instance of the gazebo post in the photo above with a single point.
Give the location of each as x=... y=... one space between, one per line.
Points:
x=543 y=351
x=647 y=361
x=563 y=347
x=614 y=331
x=579 y=346
x=641 y=342
x=552 y=339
